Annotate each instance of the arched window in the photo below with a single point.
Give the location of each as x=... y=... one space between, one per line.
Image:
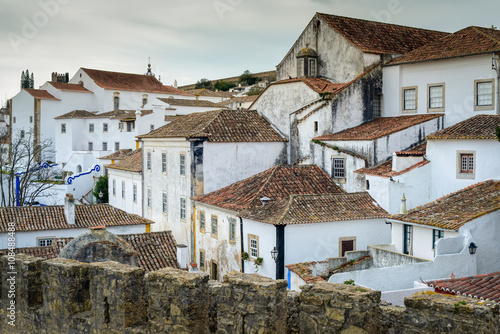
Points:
x=78 y=169
x=144 y=99
x=116 y=101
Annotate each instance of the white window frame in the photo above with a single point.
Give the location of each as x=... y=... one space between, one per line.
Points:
x=148 y=160
x=232 y=229
x=471 y=170
x=214 y=226
x=429 y=97
x=44 y=241
x=404 y=108
x=114 y=187
x=202 y=222
x=164 y=206
x=134 y=193
x=104 y=127
x=91 y=127
x=336 y=174
x=91 y=146
x=104 y=145
x=63 y=127
x=182 y=164
x=253 y=246
x=182 y=213
x=123 y=189
x=117 y=146
x=149 y=198
x=482 y=107
x=164 y=162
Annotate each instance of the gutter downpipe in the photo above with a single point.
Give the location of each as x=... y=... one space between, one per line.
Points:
x=494 y=65
x=242 y=245
x=290 y=128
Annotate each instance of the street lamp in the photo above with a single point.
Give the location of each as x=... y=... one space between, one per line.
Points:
x=274 y=254
x=472 y=248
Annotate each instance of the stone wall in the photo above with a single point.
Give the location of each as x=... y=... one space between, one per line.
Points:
x=66 y=296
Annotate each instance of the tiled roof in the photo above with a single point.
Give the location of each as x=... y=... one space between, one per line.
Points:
x=40 y=94
x=316 y=84
x=69 y=87
x=208 y=92
x=385 y=169
x=77 y=114
x=130 y=82
x=485 y=287
x=476 y=127
x=39 y=218
x=239 y=99
x=118 y=155
x=219 y=126
x=456 y=209
x=131 y=163
x=465 y=42
x=155 y=250
x=189 y=103
x=323 y=208
x=304 y=271
x=379 y=127
x=278 y=183
x=122 y=114
x=377 y=37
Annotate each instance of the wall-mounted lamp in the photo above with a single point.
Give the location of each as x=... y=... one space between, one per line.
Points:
x=472 y=248
x=274 y=254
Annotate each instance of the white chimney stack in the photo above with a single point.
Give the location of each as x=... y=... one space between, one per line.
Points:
x=69 y=209
x=402 y=209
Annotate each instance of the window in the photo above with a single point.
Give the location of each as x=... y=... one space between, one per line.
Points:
x=312 y=67
x=164 y=162
x=31 y=119
x=134 y=193
x=182 y=158
x=117 y=146
x=300 y=67
x=232 y=229
x=407 y=239
x=346 y=244
x=214 y=271
x=22 y=134
x=410 y=99
x=13 y=119
x=436 y=235
x=3 y=150
x=116 y=101
x=214 y=226
x=253 y=246
x=466 y=164
x=149 y=197
x=338 y=168
x=202 y=220
x=148 y=160
x=105 y=127
x=435 y=97
x=91 y=127
x=377 y=105
x=484 y=91
x=78 y=169
x=120 y=126
x=202 y=259
x=114 y=187
x=104 y=146
x=43 y=242
x=151 y=127
x=123 y=189
x=183 y=208
x=63 y=128
x=91 y=146
x=164 y=203
x=144 y=99
x=315 y=126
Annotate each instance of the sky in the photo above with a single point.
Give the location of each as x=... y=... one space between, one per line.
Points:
x=189 y=40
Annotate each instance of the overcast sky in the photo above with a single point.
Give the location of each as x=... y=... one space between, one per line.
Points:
x=189 y=40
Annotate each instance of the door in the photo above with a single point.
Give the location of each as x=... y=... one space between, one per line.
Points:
x=347 y=245
x=213 y=271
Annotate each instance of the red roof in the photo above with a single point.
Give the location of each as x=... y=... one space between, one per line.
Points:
x=379 y=127
x=131 y=82
x=476 y=127
x=465 y=42
x=70 y=87
x=277 y=183
x=131 y=163
x=40 y=94
x=486 y=287
x=377 y=37
x=316 y=84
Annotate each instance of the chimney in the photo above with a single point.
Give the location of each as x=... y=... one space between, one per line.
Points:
x=402 y=209
x=175 y=83
x=265 y=200
x=69 y=209
x=182 y=256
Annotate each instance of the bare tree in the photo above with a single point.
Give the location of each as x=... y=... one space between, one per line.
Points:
x=25 y=175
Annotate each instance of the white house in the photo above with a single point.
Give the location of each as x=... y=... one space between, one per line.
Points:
x=40 y=225
x=456 y=76
x=298 y=211
x=125 y=183
x=199 y=153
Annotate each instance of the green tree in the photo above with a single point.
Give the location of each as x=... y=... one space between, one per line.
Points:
x=101 y=186
x=203 y=83
x=224 y=85
x=247 y=78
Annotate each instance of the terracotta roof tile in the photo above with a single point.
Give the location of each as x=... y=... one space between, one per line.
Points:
x=123 y=114
x=379 y=127
x=155 y=250
x=219 y=126
x=69 y=87
x=476 y=127
x=465 y=42
x=316 y=84
x=130 y=82
x=189 y=103
x=322 y=208
x=118 y=155
x=40 y=94
x=486 y=287
x=131 y=163
x=456 y=209
x=77 y=114
x=39 y=218
x=208 y=92
x=377 y=37
x=304 y=271
x=277 y=183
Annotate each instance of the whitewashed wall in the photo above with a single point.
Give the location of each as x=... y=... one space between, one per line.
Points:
x=126 y=203
x=458 y=75
x=443 y=157
x=267 y=241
